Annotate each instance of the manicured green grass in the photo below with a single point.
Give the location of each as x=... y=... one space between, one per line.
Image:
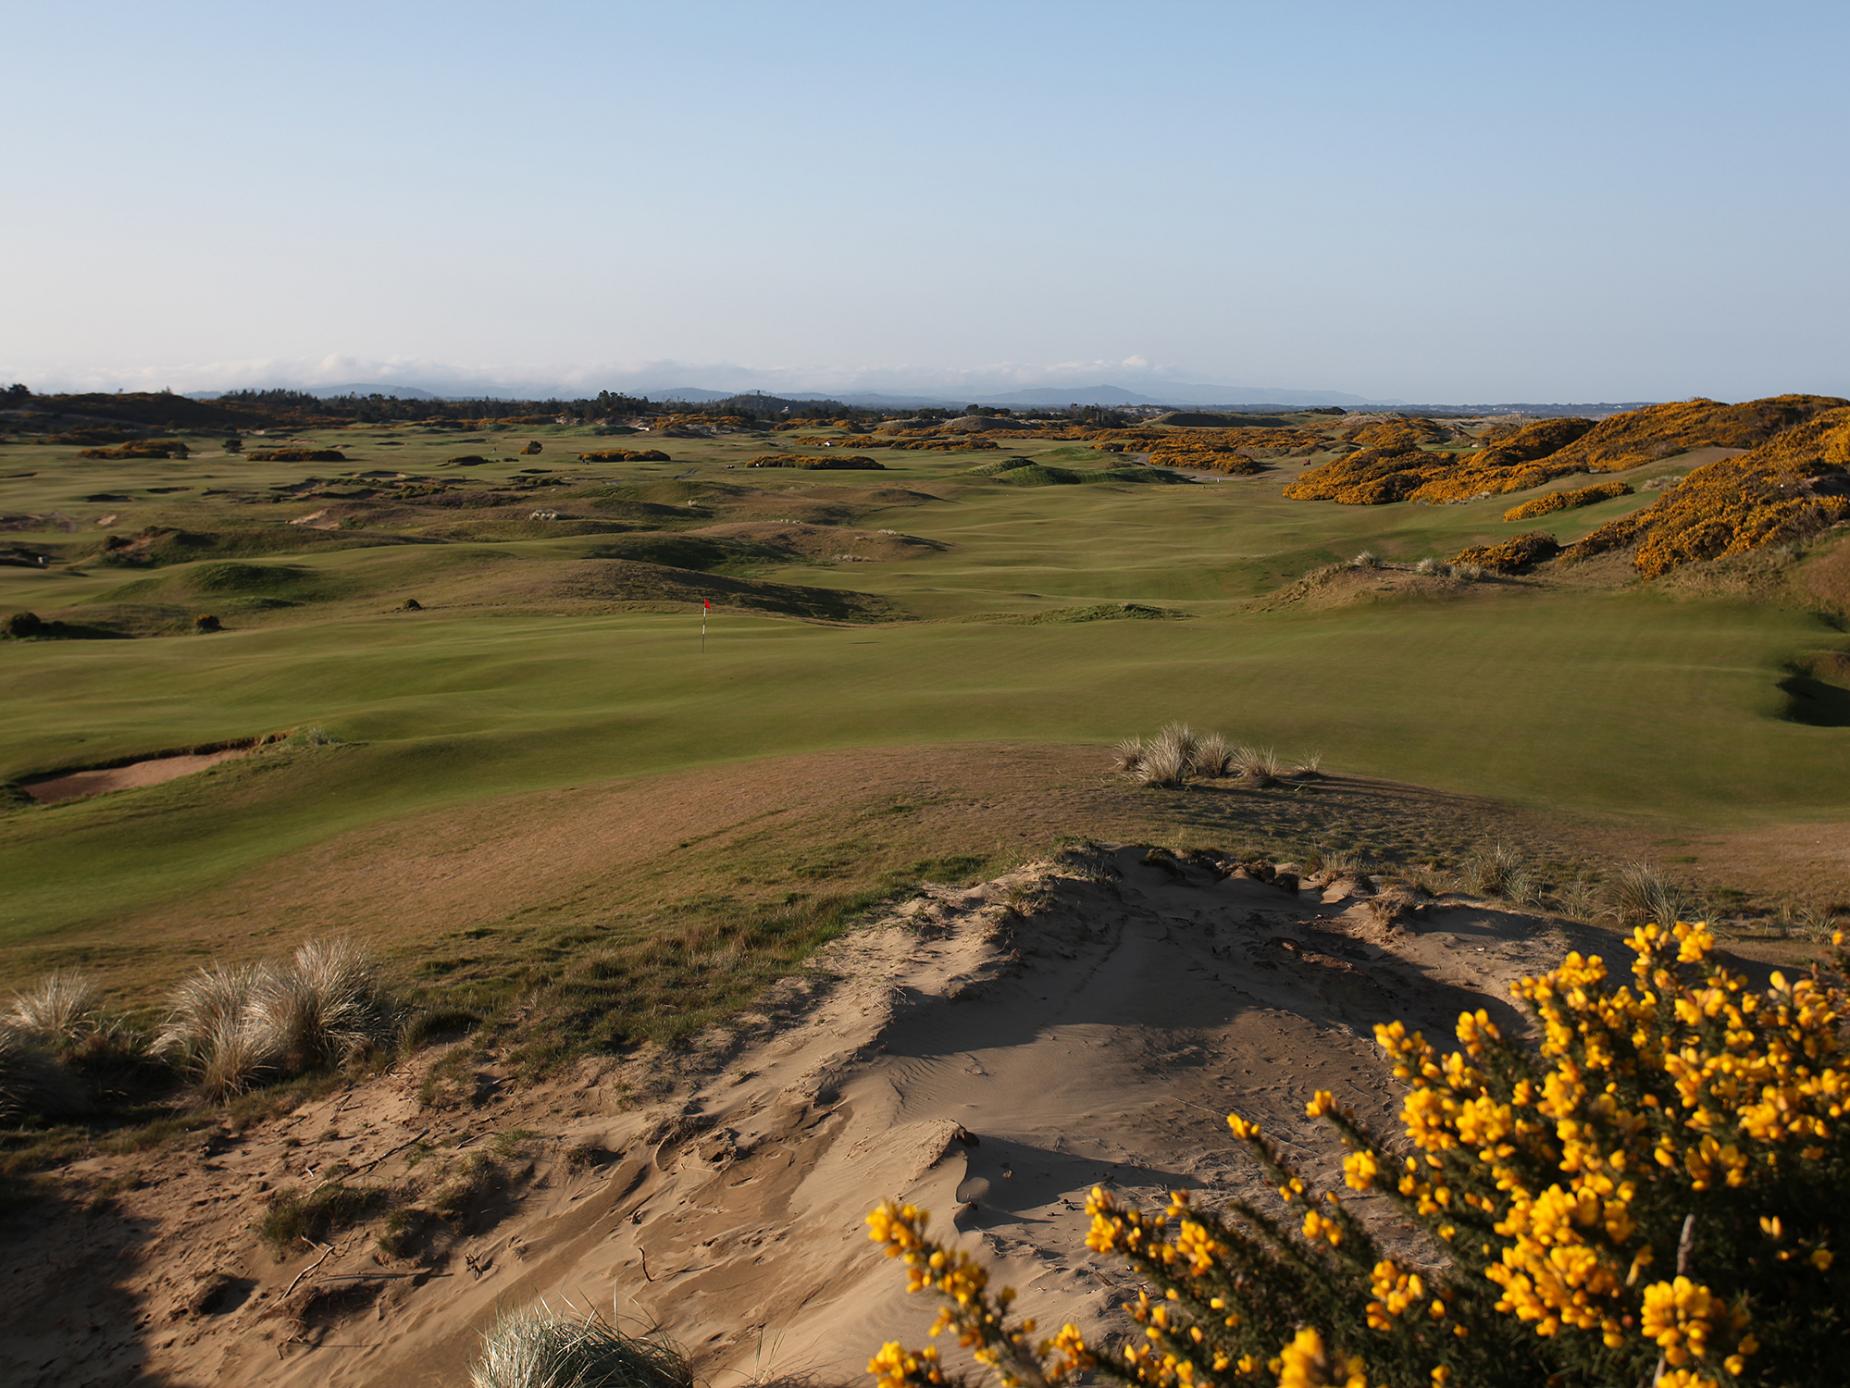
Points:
x=1587 y=700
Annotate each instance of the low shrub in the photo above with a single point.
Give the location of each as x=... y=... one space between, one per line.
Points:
x=533 y=447
x=1569 y=500
x=1512 y=556
x=206 y=623
x=139 y=448
x=624 y=455
x=22 y=626
x=297 y=455
x=823 y=462
x=538 y=1348
x=1644 y=1189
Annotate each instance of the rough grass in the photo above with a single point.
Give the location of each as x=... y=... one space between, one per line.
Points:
x=293 y=1217
x=537 y=1347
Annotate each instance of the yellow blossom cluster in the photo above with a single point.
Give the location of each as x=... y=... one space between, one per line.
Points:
x=1647 y=1190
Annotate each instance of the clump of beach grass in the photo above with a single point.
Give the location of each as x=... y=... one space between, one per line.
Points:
x=1639 y=893
x=1499 y=871
x=1128 y=755
x=61 y=1010
x=537 y=1347
x=1178 y=753
x=1262 y=766
x=1168 y=757
x=234 y=1028
x=32 y=1082
x=1213 y=755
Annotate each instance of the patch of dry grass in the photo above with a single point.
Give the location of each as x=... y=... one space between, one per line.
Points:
x=537 y=1347
x=234 y=1028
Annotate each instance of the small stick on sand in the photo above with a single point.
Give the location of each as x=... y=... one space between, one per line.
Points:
x=327 y=1251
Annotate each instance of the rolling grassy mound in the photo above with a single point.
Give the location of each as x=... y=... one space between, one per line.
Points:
x=631 y=581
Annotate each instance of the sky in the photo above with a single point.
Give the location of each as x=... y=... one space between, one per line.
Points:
x=1423 y=202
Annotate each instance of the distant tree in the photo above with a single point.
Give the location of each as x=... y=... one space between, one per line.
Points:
x=17 y=392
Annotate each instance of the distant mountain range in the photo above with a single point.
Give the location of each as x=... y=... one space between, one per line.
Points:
x=1043 y=396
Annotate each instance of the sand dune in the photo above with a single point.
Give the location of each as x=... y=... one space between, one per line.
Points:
x=990 y=1054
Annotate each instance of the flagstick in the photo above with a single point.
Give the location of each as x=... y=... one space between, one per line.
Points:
x=703 y=630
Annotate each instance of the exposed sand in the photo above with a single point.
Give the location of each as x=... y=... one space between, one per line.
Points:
x=990 y=1054
x=152 y=772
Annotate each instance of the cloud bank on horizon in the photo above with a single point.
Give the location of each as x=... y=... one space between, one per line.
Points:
x=1576 y=202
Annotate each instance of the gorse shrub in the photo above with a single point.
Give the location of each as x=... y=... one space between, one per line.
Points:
x=1651 y=1192
x=1569 y=500
x=539 y=1348
x=140 y=448
x=297 y=455
x=1789 y=488
x=826 y=462
x=624 y=455
x=1513 y=556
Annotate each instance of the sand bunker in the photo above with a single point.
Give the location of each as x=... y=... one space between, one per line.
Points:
x=73 y=785
x=990 y=1053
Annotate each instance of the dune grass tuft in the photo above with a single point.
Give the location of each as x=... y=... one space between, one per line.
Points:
x=1496 y=870
x=61 y=1010
x=234 y=1028
x=1168 y=757
x=1178 y=754
x=1639 y=893
x=537 y=1347
x=32 y=1082
x=1127 y=755
x=1260 y=765
x=1213 y=755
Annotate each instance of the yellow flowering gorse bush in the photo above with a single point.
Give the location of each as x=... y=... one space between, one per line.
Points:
x=1650 y=1192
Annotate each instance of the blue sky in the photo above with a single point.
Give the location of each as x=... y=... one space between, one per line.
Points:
x=1415 y=201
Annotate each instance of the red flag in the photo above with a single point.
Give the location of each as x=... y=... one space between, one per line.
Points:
x=707 y=603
